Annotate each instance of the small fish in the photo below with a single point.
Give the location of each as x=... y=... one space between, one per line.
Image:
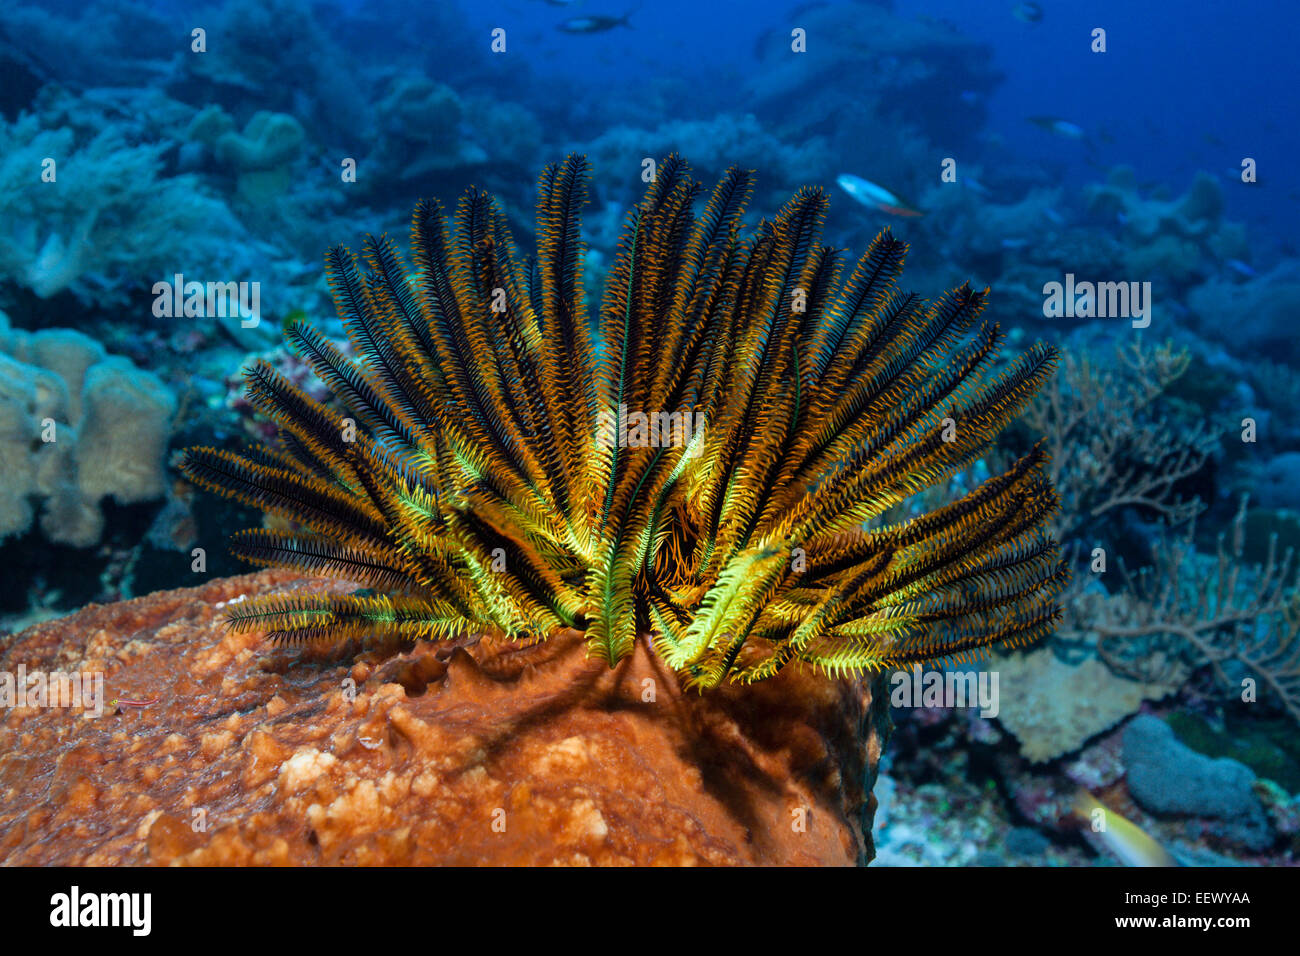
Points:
x=117 y=703
x=593 y=24
x=1126 y=840
x=1058 y=127
x=1053 y=216
x=1236 y=265
x=875 y=197
x=1027 y=12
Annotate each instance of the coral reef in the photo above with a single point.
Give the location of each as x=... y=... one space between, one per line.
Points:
x=1168 y=240
x=421 y=120
x=517 y=756
x=1111 y=443
x=106 y=217
x=893 y=59
x=1257 y=315
x=121 y=43
x=1054 y=707
x=1166 y=777
x=268 y=52
x=714 y=145
x=223 y=162
x=77 y=425
x=1189 y=610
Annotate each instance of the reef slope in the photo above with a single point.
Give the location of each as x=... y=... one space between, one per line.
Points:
x=253 y=754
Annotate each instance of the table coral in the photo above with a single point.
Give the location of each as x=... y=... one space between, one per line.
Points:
x=1054 y=707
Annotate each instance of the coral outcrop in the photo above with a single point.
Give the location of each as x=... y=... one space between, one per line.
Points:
x=714 y=144
x=1167 y=239
x=1257 y=315
x=77 y=425
x=892 y=59
x=85 y=215
x=1054 y=707
x=519 y=755
x=1167 y=777
x=266 y=53
x=259 y=156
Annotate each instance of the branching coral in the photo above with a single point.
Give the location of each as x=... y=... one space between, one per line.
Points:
x=498 y=471
x=1187 y=611
x=1110 y=447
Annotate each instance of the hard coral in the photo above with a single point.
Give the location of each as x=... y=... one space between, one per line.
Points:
x=1168 y=239
x=1113 y=443
x=78 y=425
x=1187 y=610
x=106 y=211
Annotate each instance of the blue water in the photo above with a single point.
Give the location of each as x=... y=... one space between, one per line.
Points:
x=1182 y=87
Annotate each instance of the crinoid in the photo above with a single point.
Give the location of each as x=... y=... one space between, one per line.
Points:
x=708 y=468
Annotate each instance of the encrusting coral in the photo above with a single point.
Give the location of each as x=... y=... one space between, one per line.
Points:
x=708 y=469
x=1059 y=705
